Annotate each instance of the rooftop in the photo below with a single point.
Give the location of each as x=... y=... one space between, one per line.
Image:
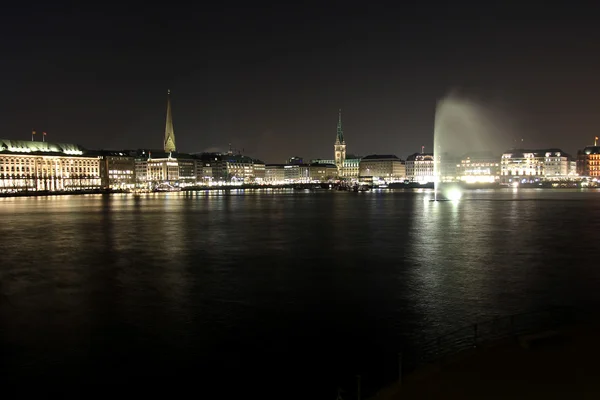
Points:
x=478 y=155
x=25 y=146
x=380 y=157
x=420 y=156
x=238 y=158
x=537 y=152
x=592 y=150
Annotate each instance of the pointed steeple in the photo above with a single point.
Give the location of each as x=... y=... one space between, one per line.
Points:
x=339 y=147
x=340 y=132
x=169 y=144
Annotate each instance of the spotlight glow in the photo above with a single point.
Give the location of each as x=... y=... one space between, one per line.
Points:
x=454 y=194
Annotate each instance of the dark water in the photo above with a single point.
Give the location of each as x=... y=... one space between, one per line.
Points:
x=272 y=294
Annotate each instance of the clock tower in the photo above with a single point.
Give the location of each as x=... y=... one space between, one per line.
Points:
x=340 y=146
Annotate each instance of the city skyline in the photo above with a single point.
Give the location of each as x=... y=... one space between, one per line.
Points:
x=270 y=79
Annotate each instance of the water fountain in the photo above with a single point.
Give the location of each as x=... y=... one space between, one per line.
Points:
x=461 y=126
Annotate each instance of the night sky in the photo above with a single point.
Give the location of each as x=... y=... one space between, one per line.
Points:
x=270 y=78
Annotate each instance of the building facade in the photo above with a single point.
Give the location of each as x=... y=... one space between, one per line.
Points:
x=526 y=166
x=117 y=169
x=339 y=148
x=275 y=174
x=242 y=169
x=321 y=172
x=349 y=170
x=478 y=167
x=154 y=168
x=419 y=167
x=588 y=161
x=44 y=166
x=388 y=168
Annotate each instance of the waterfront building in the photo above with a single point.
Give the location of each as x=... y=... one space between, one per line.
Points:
x=303 y=173
x=162 y=168
x=209 y=167
x=141 y=170
x=155 y=168
x=37 y=166
x=242 y=169
x=278 y=174
x=447 y=165
x=588 y=161
x=339 y=148
x=526 y=165
x=275 y=174
x=117 y=169
x=573 y=167
x=419 y=167
x=204 y=172
x=478 y=167
x=388 y=168
x=187 y=169
x=350 y=168
x=347 y=165
x=292 y=173
x=321 y=172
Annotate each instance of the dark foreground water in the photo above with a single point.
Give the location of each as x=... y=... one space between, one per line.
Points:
x=272 y=294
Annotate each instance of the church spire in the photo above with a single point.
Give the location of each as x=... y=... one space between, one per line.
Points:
x=340 y=132
x=340 y=147
x=169 y=144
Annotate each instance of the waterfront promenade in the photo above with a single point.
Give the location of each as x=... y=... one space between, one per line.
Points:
x=561 y=363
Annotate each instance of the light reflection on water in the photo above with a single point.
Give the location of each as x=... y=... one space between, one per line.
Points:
x=164 y=284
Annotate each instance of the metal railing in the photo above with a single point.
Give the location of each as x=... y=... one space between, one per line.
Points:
x=485 y=333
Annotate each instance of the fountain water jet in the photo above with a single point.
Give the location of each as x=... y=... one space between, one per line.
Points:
x=461 y=126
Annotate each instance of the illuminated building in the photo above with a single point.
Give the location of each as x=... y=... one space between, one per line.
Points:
x=187 y=169
x=384 y=167
x=141 y=170
x=275 y=173
x=37 y=166
x=478 y=167
x=448 y=168
x=303 y=173
x=292 y=173
x=169 y=144
x=588 y=161
x=117 y=169
x=154 y=168
x=321 y=172
x=162 y=169
x=239 y=168
x=283 y=173
x=347 y=166
x=350 y=169
x=340 y=146
x=521 y=165
x=295 y=160
x=209 y=167
x=419 y=167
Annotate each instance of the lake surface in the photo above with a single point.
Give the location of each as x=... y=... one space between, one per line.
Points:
x=273 y=294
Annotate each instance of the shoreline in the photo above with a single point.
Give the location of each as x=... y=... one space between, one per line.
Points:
x=312 y=187
x=46 y=193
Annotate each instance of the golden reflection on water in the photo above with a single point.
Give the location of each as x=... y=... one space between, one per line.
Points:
x=206 y=270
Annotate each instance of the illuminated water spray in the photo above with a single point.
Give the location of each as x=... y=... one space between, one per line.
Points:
x=461 y=126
